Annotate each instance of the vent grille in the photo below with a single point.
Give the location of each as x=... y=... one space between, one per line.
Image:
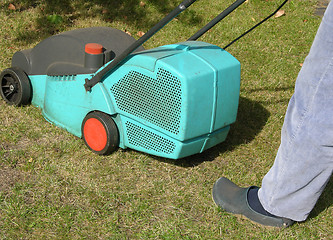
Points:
x=143 y=138
x=63 y=78
x=157 y=101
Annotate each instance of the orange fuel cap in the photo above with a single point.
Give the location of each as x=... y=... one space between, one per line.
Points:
x=93 y=48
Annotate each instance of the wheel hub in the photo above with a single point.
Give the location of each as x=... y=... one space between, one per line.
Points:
x=12 y=88
x=9 y=87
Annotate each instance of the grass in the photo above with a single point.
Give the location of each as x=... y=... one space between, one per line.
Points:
x=53 y=187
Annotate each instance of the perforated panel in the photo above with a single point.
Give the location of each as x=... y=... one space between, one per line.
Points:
x=143 y=138
x=157 y=101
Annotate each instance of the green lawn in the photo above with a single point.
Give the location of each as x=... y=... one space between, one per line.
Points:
x=53 y=187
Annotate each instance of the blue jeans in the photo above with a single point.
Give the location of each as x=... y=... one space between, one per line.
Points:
x=304 y=161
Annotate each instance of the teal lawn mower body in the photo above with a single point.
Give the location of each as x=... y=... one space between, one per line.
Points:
x=171 y=101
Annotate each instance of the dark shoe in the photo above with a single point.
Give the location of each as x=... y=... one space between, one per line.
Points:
x=233 y=199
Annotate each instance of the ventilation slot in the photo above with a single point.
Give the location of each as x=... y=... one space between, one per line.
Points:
x=157 y=101
x=143 y=138
x=63 y=78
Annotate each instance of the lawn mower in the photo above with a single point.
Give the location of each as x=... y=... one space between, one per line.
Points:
x=101 y=85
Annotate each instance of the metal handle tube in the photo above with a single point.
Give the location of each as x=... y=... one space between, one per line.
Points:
x=99 y=76
x=217 y=19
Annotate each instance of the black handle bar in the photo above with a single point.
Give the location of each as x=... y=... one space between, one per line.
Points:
x=217 y=19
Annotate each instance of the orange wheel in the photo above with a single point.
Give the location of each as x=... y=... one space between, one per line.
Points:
x=100 y=133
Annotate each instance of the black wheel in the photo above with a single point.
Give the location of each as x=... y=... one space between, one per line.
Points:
x=15 y=86
x=100 y=133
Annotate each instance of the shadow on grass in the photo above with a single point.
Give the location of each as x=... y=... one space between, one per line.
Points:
x=130 y=12
x=251 y=118
x=324 y=201
x=273 y=89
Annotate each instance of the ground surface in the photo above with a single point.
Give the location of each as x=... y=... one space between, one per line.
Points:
x=53 y=187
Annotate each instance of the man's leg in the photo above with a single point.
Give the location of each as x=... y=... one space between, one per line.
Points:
x=304 y=161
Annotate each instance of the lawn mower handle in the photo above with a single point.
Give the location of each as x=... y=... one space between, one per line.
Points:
x=99 y=75
x=217 y=19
